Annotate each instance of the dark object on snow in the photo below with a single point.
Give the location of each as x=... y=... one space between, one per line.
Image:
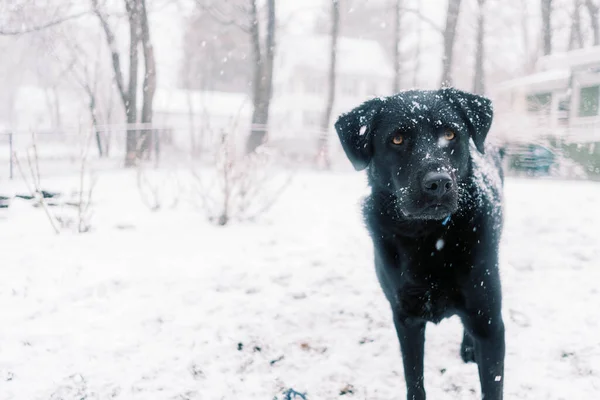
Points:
x=50 y=195
x=275 y=361
x=45 y=194
x=435 y=218
x=4 y=202
x=348 y=389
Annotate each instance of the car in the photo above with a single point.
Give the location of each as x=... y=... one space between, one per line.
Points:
x=533 y=159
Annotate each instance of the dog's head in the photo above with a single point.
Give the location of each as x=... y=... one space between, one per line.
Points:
x=416 y=146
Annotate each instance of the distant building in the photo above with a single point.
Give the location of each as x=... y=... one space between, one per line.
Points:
x=301 y=84
x=560 y=100
x=300 y=87
x=196 y=119
x=47 y=110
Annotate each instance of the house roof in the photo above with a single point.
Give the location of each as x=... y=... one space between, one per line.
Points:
x=178 y=101
x=555 y=70
x=354 y=57
x=543 y=81
x=571 y=59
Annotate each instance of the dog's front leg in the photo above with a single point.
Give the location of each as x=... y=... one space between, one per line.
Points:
x=483 y=322
x=412 y=342
x=488 y=337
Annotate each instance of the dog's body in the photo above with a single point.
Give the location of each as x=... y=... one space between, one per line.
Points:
x=435 y=218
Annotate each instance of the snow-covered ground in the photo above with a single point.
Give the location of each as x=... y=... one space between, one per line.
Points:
x=165 y=306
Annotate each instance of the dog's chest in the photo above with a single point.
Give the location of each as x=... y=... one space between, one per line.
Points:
x=429 y=286
x=432 y=302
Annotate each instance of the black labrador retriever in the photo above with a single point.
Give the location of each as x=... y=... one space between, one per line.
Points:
x=435 y=218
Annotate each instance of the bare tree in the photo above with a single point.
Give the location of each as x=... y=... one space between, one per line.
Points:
x=88 y=81
x=396 y=46
x=42 y=26
x=217 y=51
x=575 y=35
x=263 y=74
x=479 y=76
x=128 y=96
x=547 y=26
x=323 y=153
x=262 y=54
x=449 y=39
x=149 y=85
x=593 y=10
x=525 y=32
x=417 y=56
x=139 y=31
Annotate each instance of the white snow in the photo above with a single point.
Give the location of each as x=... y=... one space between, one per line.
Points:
x=164 y=306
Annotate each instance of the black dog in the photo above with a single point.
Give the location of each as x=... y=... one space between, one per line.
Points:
x=435 y=218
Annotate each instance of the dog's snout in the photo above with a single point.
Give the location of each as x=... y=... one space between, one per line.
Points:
x=437 y=183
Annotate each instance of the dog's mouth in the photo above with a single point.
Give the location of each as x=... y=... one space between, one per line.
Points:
x=437 y=208
x=435 y=211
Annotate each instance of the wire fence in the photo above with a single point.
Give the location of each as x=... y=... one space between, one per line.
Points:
x=105 y=146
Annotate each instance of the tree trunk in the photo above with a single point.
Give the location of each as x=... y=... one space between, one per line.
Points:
x=479 y=78
x=263 y=75
x=529 y=63
x=593 y=12
x=396 y=49
x=323 y=145
x=92 y=106
x=449 y=36
x=575 y=36
x=417 y=65
x=547 y=26
x=131 y=149
x=149 y=86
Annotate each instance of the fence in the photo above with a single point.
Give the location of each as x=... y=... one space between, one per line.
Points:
x=105 y=146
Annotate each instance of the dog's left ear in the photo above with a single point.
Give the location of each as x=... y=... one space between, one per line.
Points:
x=478 y=112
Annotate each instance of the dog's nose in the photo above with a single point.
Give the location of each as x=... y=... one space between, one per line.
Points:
x=437 y=183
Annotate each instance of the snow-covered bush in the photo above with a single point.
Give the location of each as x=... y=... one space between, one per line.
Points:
x=240 y=186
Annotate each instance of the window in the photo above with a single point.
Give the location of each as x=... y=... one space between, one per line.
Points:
x=349 y=87
x=588 y=101
x=539 y=102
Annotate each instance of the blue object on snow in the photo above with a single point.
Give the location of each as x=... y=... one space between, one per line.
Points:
x=291 y=394
x=445 y=221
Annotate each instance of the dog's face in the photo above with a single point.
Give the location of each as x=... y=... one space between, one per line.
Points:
x=416 y=146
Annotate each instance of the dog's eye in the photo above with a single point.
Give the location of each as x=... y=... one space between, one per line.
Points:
x=398 y=139
x=449 y=135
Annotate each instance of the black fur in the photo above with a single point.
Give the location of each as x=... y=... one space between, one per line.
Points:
x=430 y=267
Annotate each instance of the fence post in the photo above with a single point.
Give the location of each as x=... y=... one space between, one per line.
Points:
x=11 y=161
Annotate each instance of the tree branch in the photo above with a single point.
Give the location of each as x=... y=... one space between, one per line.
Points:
x=423 y=18
x=116 y=60
x=221 y=17
x=256 y=51
x=8 y=32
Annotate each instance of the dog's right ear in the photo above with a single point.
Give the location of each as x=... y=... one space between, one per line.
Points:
x=355 y=130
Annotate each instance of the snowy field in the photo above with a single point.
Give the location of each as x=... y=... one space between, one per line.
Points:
x=165 y=306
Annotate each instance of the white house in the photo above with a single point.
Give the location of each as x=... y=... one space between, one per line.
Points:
x=561 y=99
x=301 y=83
x=196 y=119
